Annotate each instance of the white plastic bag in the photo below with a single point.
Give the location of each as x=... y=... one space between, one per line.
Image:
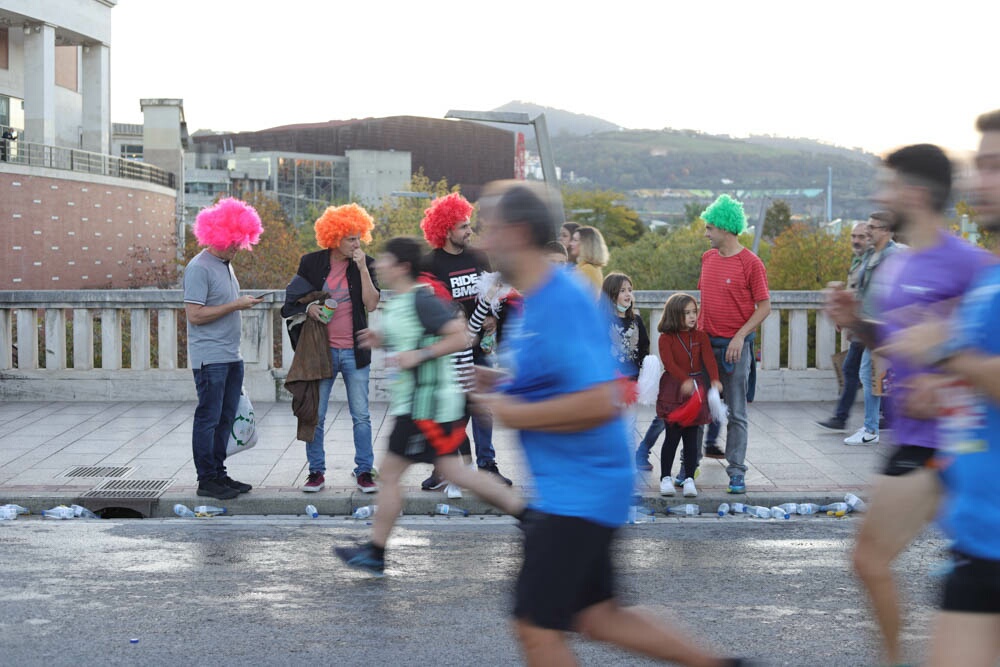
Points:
x=243 y=435
x=649 y=380
x=716 y=405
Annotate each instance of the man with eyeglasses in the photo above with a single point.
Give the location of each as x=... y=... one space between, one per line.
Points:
x=861 y=241
x=882 y=247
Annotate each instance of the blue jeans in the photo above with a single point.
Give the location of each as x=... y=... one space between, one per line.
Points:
x=734 y=388
x=482 y=434
x=218 y=387
x=356 y=381
x=852 y=370
x=656 y=427
x=872 y=402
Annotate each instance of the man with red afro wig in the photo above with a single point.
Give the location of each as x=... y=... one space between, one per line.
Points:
x=336 y=288
x=457 y=267
x=212 y=303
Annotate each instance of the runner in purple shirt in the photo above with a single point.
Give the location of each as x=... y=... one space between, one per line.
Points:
x=924 y=282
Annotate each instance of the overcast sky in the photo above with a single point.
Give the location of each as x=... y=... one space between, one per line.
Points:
x=875 y=73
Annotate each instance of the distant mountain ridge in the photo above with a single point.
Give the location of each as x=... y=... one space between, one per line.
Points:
x=559 y=122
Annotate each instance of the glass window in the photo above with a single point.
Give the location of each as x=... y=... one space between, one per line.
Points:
x=4 y=51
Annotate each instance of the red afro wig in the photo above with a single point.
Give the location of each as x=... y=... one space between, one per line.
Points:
x=444 y=213
x=229 y=223
x=339 y=222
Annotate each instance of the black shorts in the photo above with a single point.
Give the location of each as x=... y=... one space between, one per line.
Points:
x=907 y=458
x=423 y=441
x=973 y=586
x=567 y=568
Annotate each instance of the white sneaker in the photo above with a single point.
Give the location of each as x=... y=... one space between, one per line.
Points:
x=666 y=486
x=862 y=437
x=690 y=490
x=452 y=491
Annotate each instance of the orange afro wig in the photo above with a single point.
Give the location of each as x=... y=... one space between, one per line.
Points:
x=339 y=222
x=228 y=223
x=444 y=213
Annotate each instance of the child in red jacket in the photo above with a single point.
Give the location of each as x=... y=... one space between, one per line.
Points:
x=686 y=353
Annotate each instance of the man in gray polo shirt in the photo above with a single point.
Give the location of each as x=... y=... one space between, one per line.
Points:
x=212 y=303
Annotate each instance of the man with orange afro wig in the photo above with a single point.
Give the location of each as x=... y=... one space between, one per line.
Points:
x=212 y=303
x=457 y=267
x=335 y=289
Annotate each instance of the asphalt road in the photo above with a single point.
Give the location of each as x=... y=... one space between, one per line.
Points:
x=266 y=591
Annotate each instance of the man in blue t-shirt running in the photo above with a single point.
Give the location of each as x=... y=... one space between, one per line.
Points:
x=563 y=400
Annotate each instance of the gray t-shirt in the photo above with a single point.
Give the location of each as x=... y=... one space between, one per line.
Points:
x=210 y=281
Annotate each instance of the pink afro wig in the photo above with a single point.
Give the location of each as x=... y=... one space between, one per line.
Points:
x=338 y=222
x=228 y=223
x=444 y=213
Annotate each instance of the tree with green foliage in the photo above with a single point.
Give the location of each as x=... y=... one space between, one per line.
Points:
x=777 y=219
x=603 y=209
x=807 y=258
x=401 y=216
x=693 y=211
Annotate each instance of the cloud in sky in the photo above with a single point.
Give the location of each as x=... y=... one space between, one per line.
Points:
x=869 y=74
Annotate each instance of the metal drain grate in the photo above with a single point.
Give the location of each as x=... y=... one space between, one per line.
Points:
x=98 y=471
x=132 y=489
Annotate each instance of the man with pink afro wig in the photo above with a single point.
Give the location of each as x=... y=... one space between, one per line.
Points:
x=212 y=303
x=456 y=266
x=329 y=299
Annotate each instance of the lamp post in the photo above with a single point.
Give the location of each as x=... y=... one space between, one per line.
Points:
x=541 y=136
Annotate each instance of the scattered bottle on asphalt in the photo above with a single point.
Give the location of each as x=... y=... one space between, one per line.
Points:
x=18 y=508
x=739 y=508
x=60 y=512
x=209 y=510
x=183 y=511
x=807 y=508
x=723 y=509
x=684 y=510
x=364 y=512
x=780 y=513
x=855 y=503
x=8 y=514
x=450 y=510
x=640 y=514
x=758 y=512
x=311 y=511
x=835 y=509
x=790 y=508
x=82 y=512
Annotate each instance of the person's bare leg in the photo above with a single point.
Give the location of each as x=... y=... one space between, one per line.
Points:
x=900 y=508
x=484 y=485
x=542 y=647
x=637 y=630
x=390 y=498
x=961 y=638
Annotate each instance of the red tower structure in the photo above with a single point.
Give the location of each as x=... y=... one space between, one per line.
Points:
x=519 y=158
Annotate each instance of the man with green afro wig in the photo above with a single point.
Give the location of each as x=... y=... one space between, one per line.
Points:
x=734 y=301
x=727 y=214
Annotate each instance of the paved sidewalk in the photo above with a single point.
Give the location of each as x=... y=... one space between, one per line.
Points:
x=790 y=459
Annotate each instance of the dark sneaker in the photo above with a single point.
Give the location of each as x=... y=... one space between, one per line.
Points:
x=314 y=482
x=361 y=558
x=366 y=484
x=215 y=488
x=491 y=468
x=883 y=424
x=712 y=451
x=737 y=484
x=433 y=483
x=832 y=424
x=242 y=487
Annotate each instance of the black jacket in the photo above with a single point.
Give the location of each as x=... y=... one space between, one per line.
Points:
x=314 y=267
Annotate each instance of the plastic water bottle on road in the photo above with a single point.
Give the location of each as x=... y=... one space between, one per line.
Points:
x=684 y=510
x=209 y=510
x=739 y=508
x=183 y=511
x=640 y=514
x=723 y=509
x=60 y=512
x=450 y=510
x=311 y=511
x=17 y=508
x=758 y=512
x=807 y=508
x=8 y=514
x=790 y=508
x=83 y=512
x=855 y=503
x=364 y=512
x=780 y=513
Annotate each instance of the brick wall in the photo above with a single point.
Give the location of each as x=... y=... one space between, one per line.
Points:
x=63 y=230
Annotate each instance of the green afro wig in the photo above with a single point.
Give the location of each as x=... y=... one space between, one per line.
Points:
x=727 y=214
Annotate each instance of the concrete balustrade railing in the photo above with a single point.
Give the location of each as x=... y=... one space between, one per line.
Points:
x=112 y=345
